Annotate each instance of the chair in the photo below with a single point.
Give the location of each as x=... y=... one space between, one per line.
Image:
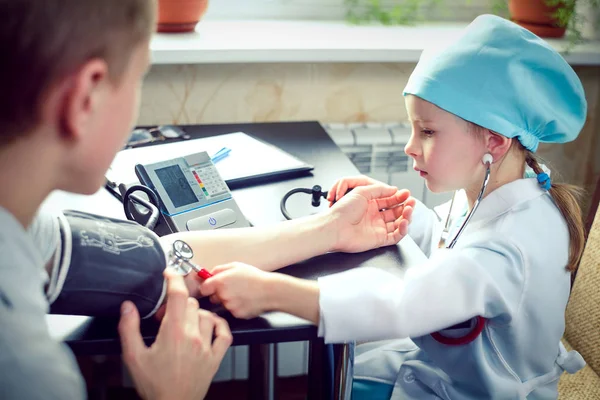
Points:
x=582 y=331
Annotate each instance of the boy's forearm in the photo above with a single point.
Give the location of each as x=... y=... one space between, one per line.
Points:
x=294 y=296
x=268 y=248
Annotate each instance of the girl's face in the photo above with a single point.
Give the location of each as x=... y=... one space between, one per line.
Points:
x=446 y=152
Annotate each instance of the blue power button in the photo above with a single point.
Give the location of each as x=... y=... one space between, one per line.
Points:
x=212 y=221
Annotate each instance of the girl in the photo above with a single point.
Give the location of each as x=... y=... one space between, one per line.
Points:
x=485 y=318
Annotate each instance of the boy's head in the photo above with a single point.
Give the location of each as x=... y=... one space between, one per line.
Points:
x=70 y=78
x=497 y=76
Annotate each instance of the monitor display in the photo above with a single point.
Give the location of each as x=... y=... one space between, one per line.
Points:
x=176 y=185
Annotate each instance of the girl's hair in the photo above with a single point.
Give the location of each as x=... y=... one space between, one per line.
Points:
x=565 y=196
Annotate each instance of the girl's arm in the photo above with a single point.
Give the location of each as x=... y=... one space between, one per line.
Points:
x=485 y=280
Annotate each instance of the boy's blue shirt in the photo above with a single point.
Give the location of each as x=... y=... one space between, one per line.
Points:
x=33 y=364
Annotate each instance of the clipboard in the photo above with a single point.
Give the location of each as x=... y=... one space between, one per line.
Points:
x=250 y=162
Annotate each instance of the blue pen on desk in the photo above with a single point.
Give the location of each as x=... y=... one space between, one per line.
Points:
x=221 y=154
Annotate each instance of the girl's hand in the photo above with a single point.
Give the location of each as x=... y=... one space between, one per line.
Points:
x=241 y=288
x=342 y=186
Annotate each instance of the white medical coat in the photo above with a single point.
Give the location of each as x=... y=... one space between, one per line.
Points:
x=508 y=266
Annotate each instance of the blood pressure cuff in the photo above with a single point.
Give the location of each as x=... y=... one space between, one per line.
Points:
x=102 y=262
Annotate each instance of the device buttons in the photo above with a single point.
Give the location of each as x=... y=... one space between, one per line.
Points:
x=214 y=220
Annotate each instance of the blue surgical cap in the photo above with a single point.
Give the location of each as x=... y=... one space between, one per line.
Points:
x=506 y=79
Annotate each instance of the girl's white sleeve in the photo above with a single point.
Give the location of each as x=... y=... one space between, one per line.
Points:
x=367 y=304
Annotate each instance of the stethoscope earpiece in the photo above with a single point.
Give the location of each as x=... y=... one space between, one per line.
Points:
x=487 y=158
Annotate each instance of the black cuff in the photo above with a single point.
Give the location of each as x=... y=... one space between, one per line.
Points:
x=111 y=261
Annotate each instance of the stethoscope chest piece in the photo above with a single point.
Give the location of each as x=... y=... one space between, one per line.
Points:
x=179 y=256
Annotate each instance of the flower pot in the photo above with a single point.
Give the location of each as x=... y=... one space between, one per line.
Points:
x=180 y=15
x=536 y=16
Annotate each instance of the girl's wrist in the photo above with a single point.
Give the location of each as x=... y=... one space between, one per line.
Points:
x=272 y=289
x=292 y=295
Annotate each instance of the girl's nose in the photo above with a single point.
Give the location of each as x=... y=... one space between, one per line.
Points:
x=412 y=148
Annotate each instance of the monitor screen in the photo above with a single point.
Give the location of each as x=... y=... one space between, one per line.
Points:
x=176 y=186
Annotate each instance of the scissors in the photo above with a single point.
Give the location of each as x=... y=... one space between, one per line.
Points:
x=180 y=258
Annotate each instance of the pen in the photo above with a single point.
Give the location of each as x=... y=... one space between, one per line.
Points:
x=219 y=155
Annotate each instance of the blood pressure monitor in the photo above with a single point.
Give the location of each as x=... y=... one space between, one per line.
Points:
x=192 y=194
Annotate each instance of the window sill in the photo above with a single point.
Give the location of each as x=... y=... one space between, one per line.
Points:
x=317 y=41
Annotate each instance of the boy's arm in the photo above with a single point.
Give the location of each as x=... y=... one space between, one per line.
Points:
x=33 y=364
x=372 y=216
x=268 y=248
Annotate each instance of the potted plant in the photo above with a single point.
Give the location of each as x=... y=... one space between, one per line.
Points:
x=180 y=15
x=579 y=19
x=400 y=12
x=546 y=18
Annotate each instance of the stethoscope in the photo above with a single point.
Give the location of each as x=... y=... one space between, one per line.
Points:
x=180 y=260
x=487 y=161
x=479 y=324
x=316 y=193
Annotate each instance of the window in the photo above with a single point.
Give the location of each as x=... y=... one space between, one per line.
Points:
x=447 y=10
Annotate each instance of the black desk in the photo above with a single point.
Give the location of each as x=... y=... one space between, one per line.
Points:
x=260 y=204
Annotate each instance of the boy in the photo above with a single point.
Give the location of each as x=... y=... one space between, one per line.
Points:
x=70 y=76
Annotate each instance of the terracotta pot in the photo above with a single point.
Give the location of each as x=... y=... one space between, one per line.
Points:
x=536 y=16
x=180 y=15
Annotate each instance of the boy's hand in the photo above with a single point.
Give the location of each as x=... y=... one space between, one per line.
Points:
x=192 y=283
x=182 y=361
x=241 y=288
x=372 y=215
x=342 y=186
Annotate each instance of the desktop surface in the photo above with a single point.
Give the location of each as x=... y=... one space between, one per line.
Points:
x=260 y=204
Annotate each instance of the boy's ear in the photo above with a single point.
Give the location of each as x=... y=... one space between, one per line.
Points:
x=497 y=145
x=83 y=96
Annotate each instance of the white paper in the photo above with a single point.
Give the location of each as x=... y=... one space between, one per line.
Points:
x=248 y=157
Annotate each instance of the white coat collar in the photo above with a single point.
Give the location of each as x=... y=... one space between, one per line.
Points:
x=507 y=197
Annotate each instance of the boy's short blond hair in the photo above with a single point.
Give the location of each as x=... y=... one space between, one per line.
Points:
x=42 y=41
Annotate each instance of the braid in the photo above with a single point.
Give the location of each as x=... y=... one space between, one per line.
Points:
x=566 y=197
x=533 y=163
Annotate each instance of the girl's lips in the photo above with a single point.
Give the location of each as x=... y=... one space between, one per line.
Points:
x=422 y=173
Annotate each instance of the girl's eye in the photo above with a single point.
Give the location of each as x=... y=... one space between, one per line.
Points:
x=427 y=132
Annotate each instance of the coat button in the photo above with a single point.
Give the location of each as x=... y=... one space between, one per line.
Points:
x=409 y=378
